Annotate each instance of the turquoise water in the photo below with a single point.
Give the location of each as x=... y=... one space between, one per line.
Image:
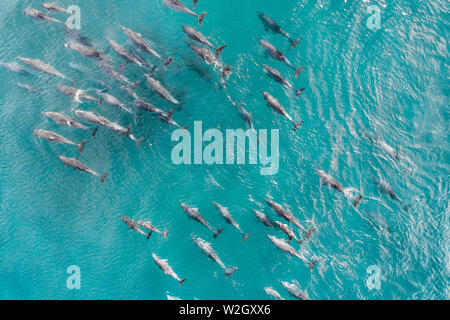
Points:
x=391 y=82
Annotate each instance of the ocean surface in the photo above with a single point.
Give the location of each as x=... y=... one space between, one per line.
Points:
x=390 y=84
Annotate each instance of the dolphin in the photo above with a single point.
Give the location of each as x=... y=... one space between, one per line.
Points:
x=294 y=290
x=139 y=42
x=195 y=3
x=54 y=137
x=111 y=100
x=53 y=7
x=229 y=219
x=178 y=6
x=141 y=104
x=149 y=226
x=126 y=55
x=332 y=182
x=275 y=74
x=167 y=117
x=278 y=108
x=78 y=165
x=157 y=86
x=278 y=55
x=129 y=91
x=210 y=252
x=196 y=215
x=262 y=217
x=288 y=231
x=272 y=292
x=275 y=28
x=29 y=88
x=385 y=187
x=164 y=266
x=39 y=15
x=62 y=119
x=210 y=59
x=77 y=36
x=75 y=94
x=91 y=117
x=284 y=246
x=198 y=36
x=15 y=67
x=116 y=75
x=383 y=145
x=43 y=67
x=134 y=225
x=123 y=131
x=87 y=51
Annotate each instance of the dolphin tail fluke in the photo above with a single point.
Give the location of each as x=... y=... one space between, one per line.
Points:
x=94 y=132
x=149 y=234
x=135 y=85
x=128 y=133
x=225 y=72
x=294 y=43
x=181 y=281
x=309 y=232
x=217 y=232
x=104 y=178
x=312 y=264
x=166 y=63
x=245 y=236
x=201 y=17
x=169 y=114
x=298 y=71
x=81 y=146
x=165 y=233
x=357 y=201
x=195 y=3
x=299 y=241
x=297 y=124
x=229 y=272
x=219 y=50
x=299 y=92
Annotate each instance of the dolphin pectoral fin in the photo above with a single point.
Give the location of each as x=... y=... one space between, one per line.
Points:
x=94 y=132
x=181 y=281
x=299 y=92
x=294 y=43
x=104 y=178
x=298 y=71
x=169 y=114
x=81 y=146
x=166 y=63
x=165 y=233
x=229 y=272
x=201 y=17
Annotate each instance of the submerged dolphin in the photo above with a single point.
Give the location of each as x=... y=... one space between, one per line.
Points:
x=29 y=88
x=385 y=187
x=149 y=226
x=43 y=67
x=229 y=219
x=78 y=165
x=54 y=137
x=288 y=231
x=123 y=131
x=210 y=252
x=91 y=117
x=284 y=246
x=116 y=75
x=164 y=266
x=262 y=217
x=39 y=15
x=278 y=108
x=139 y=42
x=275 y=28
x=196 y=215
x=75 y=93
x=178 y=6
x=65 y=120
x=125 y=54
x=210 y=59
x=134 y=225
x=167 y=117
x=198 y=36
x=276 y=75
x=87 y=51
x=15 y=67
x=113 y=101
x=333 y=183
x=53 y=7
x=272 y=292
x=278 y=55
x=163 y=92
x=294 y=290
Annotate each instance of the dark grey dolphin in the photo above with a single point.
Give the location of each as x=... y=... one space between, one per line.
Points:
x=54 y=137
x=198 y=36
x=65 y=120
x=43 y=67
x=196 y=215
x=385 y=187
x=123 y=131
x=126 y=55
x=87 y=51
x=149 y=226
x=141 y=104
x=276 y=75
x=210 y=252
x=288 y=231
x=116 y=75
x=210 y=59
x=262 y=217
x=78 y=165
x=134 y=225
x=111 y=100
x=333 y=183
x=39 y=15
x=139 y=42
x=275 y=28
x=75 y=93
x=278 y=55
x=178 y=6
x=15 y=67
x=167 y=117
x=77 y=36
x=163 y=92
x=229 y=219
x=53 y=7
x=278 y=108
